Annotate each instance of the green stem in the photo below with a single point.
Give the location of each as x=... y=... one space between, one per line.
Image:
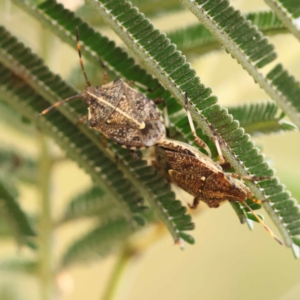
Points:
x=45 y=224
x=117 y=274
x=285 y=16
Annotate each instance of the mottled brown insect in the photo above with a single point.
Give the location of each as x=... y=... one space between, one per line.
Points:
x=198 y=174
x=119 y=112
x=201 y=177
x=124 y=115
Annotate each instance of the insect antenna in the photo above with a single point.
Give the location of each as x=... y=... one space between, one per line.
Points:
x=80 y=58
x=58 y=103
x=84 y=73
x=263 y=223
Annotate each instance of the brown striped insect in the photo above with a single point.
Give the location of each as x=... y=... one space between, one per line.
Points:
x=119 y=112
x=200 y=176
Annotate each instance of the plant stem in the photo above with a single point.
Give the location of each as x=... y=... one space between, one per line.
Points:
x=118 y=271
x=45 y=223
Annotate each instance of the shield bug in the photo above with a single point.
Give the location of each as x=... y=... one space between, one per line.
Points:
x=119 y=112
x=200 y=176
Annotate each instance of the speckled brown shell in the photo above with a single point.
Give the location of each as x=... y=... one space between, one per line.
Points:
x=197 y=174
x=116 y=126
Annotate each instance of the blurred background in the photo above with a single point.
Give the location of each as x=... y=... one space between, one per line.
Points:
x=228 y=260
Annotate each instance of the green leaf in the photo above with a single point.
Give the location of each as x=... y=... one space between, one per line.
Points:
x=285 y=84
x=245 y=43
x=162 y=59
x=98 y=243
x=18 y=165
x=92 y=202
x=197 y=39
x=233 y=31
x=9 y=118
x=85 y=145
x=11 y=211
x=253 y=218
x=94 y=46
x=81 y=149
x=151 y=8
x=260 y=118
x=291 y=6
x=267 y=22
x=288 y=12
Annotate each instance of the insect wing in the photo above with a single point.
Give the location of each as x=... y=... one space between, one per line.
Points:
x=142 y=109
x=186 y=163
x=187 y=181
x=126 y=136
x=102 y=102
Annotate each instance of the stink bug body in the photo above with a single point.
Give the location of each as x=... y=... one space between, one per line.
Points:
x=124 y=115
x=119 y=112
x=198 y=174
x=201 y=177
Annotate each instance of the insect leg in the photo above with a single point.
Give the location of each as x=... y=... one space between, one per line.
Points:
x=82 y=119
x=253 y=199
x=217 y=144
x=195 y=203
x=105 y=78
x=134 y=154
x=166 y=116
x=249 y=177
x=104 y=140
x=159 y=100
x=198 y=141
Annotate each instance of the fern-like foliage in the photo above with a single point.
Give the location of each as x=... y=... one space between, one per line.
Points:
x=128 y=193
x=61 y=21
x=18 y=165
x=240 y=37
x=98 y=243
x=11 y=211
x=260 y=118
x=285 y=84
x=288 y=12
x=95 y=46
x=151 y=8
x=267 y=22
x=155 y=7
x=197 y=39
x=59 y=126
x=291 y=6
x=92 y=202
x=245 y=37
x=9 y=118
x=104 y=171
x=162 y=59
